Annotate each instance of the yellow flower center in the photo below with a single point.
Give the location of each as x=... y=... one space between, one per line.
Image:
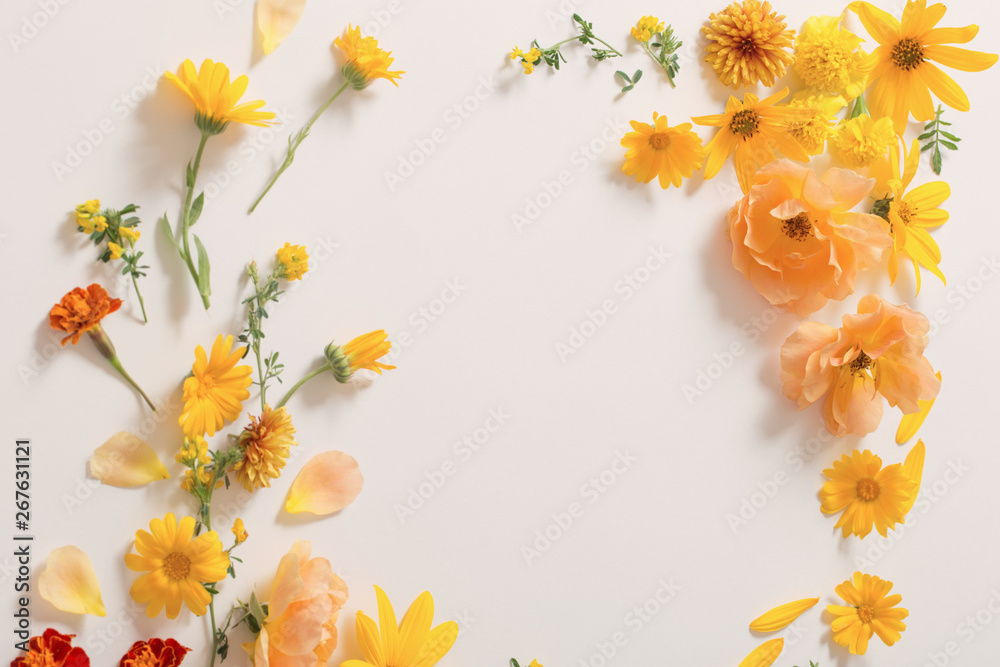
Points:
x=744 y=123
x=43 y=659
x=797 y=228
x=861 y=363
x=144 y=659
x=177 y=566
x=907 y=54
x=866 y=613
x=659 y=140
x=868 y=489
x=206 y=383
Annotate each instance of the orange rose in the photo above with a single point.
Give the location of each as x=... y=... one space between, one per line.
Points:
x=301 y=625
x=876 y=354
x=796 y=239
x=81 y=310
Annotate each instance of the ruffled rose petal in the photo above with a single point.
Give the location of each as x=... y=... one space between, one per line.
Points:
x=125 y=460
x=327 y=483
x=69 y=583
x=276 y=20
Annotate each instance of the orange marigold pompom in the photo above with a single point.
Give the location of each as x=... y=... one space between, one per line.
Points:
x=81 y=310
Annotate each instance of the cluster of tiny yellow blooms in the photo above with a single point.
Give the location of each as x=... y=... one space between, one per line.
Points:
x=861 y=141
x=194 y=454
x=828 y=58
x=812 y=134
x=528 y=60
x=239 y=532
x=88 y=218
x=646 y=28
x=293 y=261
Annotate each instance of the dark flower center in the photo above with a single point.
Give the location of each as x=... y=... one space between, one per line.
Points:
x=907 y=54
x=744 y=123
x=797 y=228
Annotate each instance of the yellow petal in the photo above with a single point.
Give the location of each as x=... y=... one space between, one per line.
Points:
x=125 y=460
x=765 y=654
x=911 y=423
x=913 y=467
x=782 y=616
x=276 y=20
x=329 y=482
x=69 y=582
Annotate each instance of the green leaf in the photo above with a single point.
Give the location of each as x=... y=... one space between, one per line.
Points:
x=927 y=147
x=255 y=609
x=637 y=76
x=623 y=75
x=189 y=177
x=936 y=162
x=950 y=136
x=925 y=136
x=196 y=207
x=627 y=88
x=165 y=225
x=949 y=145
x=204 y=268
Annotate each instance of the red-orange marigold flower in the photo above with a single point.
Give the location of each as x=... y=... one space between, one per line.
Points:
x=52 y=649
x=81 y=310
x=154 y=653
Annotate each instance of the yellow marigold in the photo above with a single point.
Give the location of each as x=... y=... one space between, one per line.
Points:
x=658 y=150
x=266 y=443
x=365 y=60
x=828 y=58
x=361 y=352
x=869 y=611
x=861 y=141
x=646 y=28
x=749 y=44
x=813 y=132
x=216 y=389
x=294 y=261
x=867 y=494
x=216 y=100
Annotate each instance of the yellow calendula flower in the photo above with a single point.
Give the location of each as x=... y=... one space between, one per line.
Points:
x=116 y=250
x=902 y=69
x=361 y=352
x=176 y=564
x=765 y=654
x=861 y=141
x=239 y=532
x=867 y=494
x=216 y=100
x=647 y=26
x=414 y=642
x=869 y=611
x=750 y=131
x=749 y=44
x=828 y=58
x=910 y=424
x=266 y=443
x=365 y=60
x=658 y=150
x=294 y=261
x=813 y=133
x=216 y=389
x=781 y=617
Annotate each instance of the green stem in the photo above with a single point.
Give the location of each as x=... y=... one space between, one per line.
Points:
x=859 y=107
x=663 y=66
x=616 y=51
x=293 y=145
x=215 y=636
x=141 y=304
x=128 y=378
x=186 y=218
x=309 y=376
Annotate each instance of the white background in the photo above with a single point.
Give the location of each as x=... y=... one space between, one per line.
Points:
x=383 y=257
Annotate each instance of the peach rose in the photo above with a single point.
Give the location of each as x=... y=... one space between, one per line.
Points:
x=796 y=239
x=301 y=625
x=876 y=354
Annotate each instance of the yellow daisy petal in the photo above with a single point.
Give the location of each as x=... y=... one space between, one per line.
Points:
x=125 y=460
x=69 y=582
x=765 y=654
x=911 y=423
x=781 y=616
x=913 y=467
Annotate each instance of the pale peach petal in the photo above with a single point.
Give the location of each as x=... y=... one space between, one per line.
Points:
x=69 y=582
x=329 y=482
x=125 y=460
x=276 y=19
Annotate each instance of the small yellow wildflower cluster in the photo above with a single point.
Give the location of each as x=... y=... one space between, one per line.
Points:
x=88 y=218
x=239 y=532
x=647 y=26
x=194 y=454
x=528 y=60
x=861 y=141
x=293 y=262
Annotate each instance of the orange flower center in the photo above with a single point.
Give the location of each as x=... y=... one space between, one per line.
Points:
x=144 y=658
x=43 y=659
x=177 y=566
x=907 y=54
x=868 y=489
x=797 y=228
x=866 y=613
x=206 y=383
x=659 y=140
x=744 y=123
x=861 y=363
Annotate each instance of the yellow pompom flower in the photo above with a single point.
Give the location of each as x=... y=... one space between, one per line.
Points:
x=813 y=132
x=828 y=58
x=239 y=532
x=216 y=100
x=862 y=141
x=216 y=389
x=867 y=494
x=658 y=150
x=365 y=60
x=266 y=443
x=749 y=44
x=116 y=250
x=646 y=28
x=901 y=69
x=869 y=611
x=176 y=564
x=294 y=261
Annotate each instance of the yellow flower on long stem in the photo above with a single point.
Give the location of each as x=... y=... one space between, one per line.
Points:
x=869 y=611
x=867 y=494
x=216 y=389
x=751 y=131
x=216 y=100
x=749 y=44
x=902 y=73
x=409 y=644
x=828 y=58
x=658 y=150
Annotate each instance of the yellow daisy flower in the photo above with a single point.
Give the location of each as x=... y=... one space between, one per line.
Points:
x=751 y=131
x=413 y=642
x=861 y=141
x=867 y=493
x=216 y=389
x=365 y=60
x=216 y=100
x=647 y=26
x=361 y=352
x=813 y=133
x=901 y=69
x=748 y=44
x=658 y=150
x=827 y=57
x=266 y=443
x=294 y=261
x=870 y=611
x=176 y=564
